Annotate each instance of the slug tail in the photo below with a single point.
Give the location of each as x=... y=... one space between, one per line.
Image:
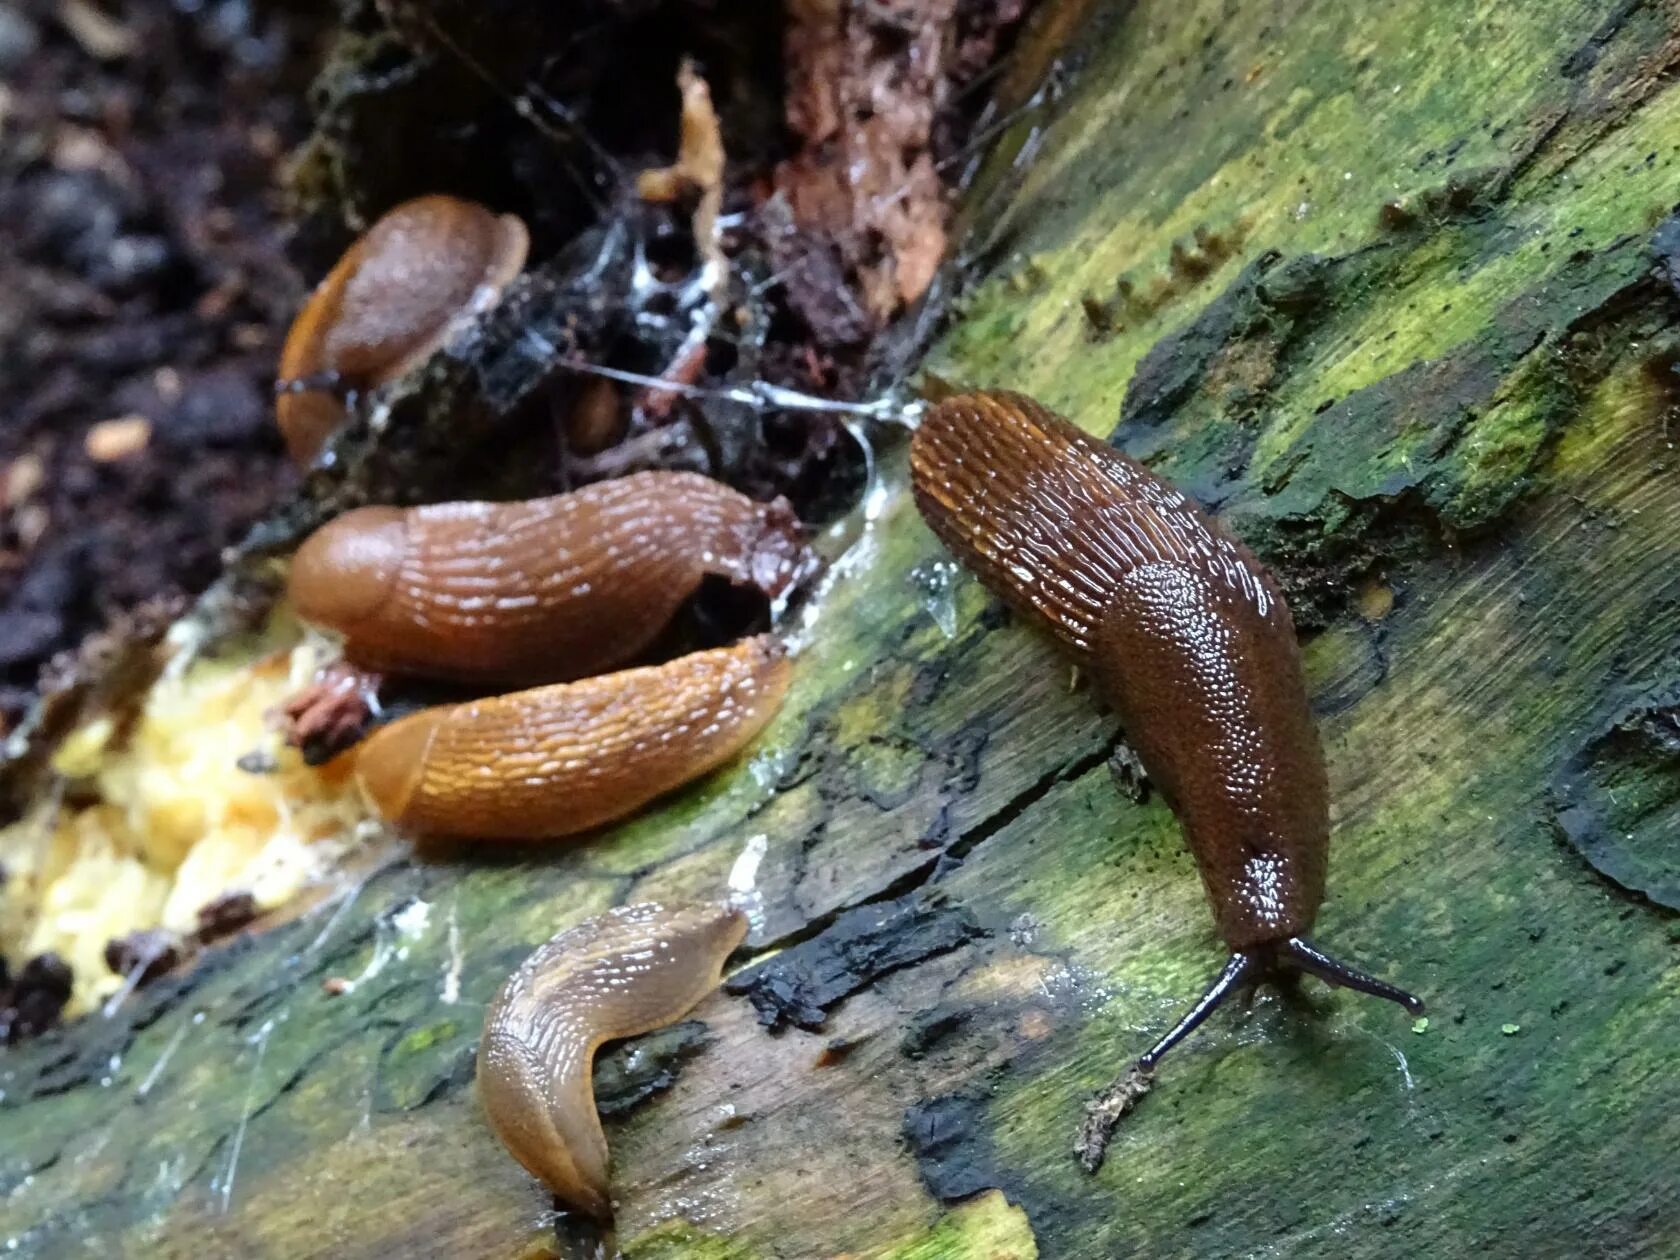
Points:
x=1054 y=520
x=1302 y=954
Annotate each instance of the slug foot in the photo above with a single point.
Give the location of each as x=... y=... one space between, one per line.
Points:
x=328 y=382
x=332 y=713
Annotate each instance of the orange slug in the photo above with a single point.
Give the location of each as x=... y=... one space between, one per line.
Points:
x=623 y=973
x=394 y=298
x=538 y=591
x=1185 y=634
x=561 y=759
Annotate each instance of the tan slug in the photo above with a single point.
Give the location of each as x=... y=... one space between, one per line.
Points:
x=542 y=590
x=389 y=302
x=561 y=759
x=623 y=973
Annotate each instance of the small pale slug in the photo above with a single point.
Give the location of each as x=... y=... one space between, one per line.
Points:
x=538 y=591
x=557 y=760
x=1187 y=637
x=393 y=298
x=620 y=974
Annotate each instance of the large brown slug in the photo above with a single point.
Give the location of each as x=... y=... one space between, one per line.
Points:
x=538 y=591
x=394 y=298
x=562 y=759
x=620 y=974
x=1184 y=633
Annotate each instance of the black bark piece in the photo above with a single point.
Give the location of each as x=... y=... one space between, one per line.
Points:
x=144 y=955
x=947 y=1136
x=1616 y=801
x=801 y=985
x=629 y=1074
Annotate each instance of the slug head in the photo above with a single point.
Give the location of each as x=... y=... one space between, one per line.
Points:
x=620 y=974
x=345 y=571
x=388 y=304
x=391 y=762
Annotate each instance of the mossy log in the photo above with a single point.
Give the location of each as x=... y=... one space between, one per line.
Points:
x=1393 y=288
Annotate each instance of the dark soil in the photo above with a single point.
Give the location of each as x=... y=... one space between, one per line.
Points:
x=142 y=275
x=31 y=1002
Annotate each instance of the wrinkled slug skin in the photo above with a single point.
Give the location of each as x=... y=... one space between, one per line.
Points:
x=543 y=590
x=561 y=759
x=1185 y=633
x=389 y=302
x=620 y=974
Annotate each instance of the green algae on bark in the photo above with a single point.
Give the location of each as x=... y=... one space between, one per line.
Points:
x=1496 y=450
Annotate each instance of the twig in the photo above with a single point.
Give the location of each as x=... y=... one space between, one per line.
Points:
x=1105 y=1111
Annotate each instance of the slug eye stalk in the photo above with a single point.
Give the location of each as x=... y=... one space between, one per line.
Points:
x=1247 y=968
x=1242 y=971
x=1301 y=954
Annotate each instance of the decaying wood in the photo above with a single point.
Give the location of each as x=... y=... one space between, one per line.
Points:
x=1392 y=288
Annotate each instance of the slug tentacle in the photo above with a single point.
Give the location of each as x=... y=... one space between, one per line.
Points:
x=1240 y=972
x=620 y=974
x=544 y=590
x=1245 y=969
x=557 y=760
x=1303 y=955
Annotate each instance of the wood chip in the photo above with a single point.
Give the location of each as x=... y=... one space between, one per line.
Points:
x=700 y=158
x=83 y=149
x=24 y=476
x=100 y=35
x=30 y=523
x=699 y=167
x=113 y=440
x=167 y=382
x=1105 y=1111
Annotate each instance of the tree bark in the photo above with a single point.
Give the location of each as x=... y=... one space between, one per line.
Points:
x=1394 y=289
